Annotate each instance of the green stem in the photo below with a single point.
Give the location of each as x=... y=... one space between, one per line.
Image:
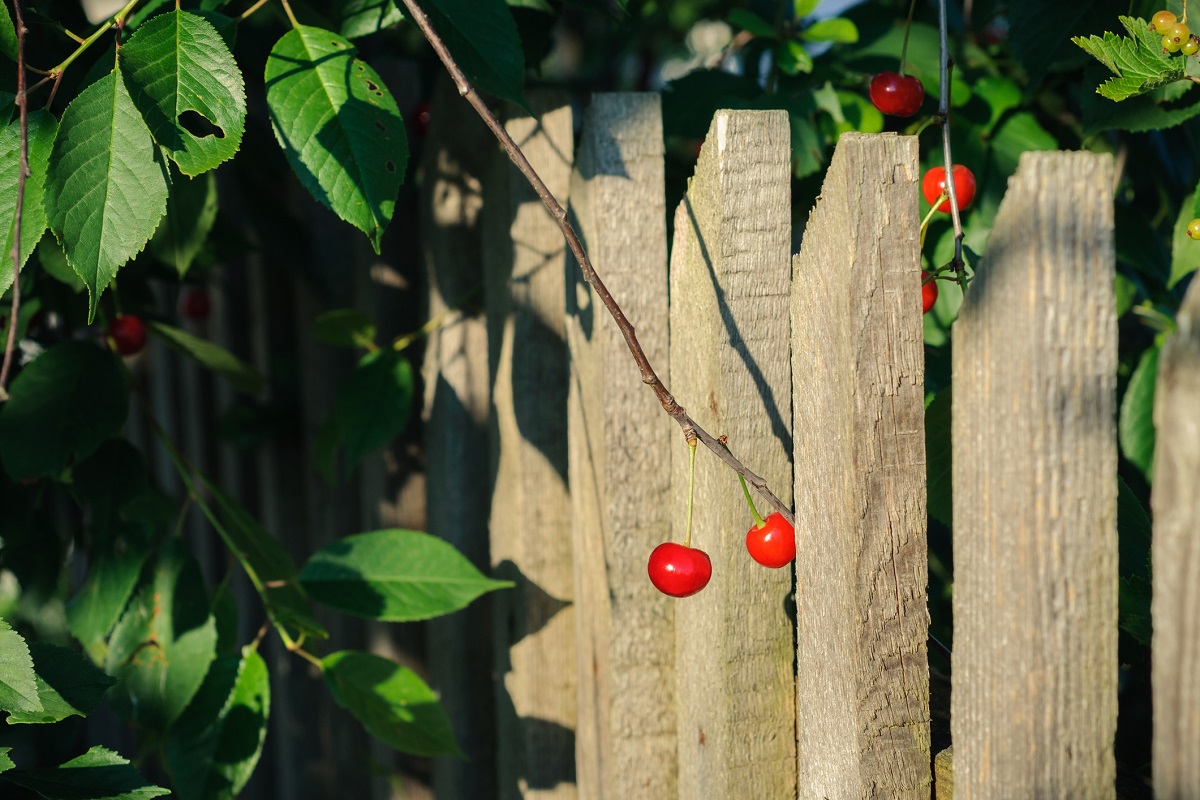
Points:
x=300 y=651
x=758 y=520
x=401 y=342
x=116 y=19
x=933 y=210
x=252 y=9
x=687 y=536
x=287 y=9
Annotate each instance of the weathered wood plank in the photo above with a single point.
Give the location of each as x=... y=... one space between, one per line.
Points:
x=524 y=268
x=457 y=153
x=1034 y=448
x=618 y=438
x=1176 y=556
x=857 y=354
x=730 y=281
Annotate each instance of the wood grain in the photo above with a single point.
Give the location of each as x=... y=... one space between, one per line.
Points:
x=1034 y=448
x=861 y=569
x=730 y=367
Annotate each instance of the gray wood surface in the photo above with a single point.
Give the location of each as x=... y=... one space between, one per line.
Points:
x=861 y=568
x=458 y=152
x=618 y=440
x=730 y=281
x=1176 y=556
x=1034 y=447
x=524 y=266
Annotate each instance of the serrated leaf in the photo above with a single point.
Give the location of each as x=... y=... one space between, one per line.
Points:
x=837 y=30
x=339 y=127
x=106 y=188
x=161 y=647
x=1137 y=60
x=191 y=213
x=392 y=703
x=483 y=39
x=42 y=127
x=8 y=34
x=373 y=404
x=18 y=681
x=394 y=575
x=1136 y=424
x=178 y=65
x=62 y=406
x=67 y=684
x=241 y=376
x=6 y=763
x=98 y=774
x=356 y=18
x=345 y=327
x=213 y=748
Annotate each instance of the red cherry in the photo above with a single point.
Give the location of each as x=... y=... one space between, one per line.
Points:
x=679 y=571
x=127 y=334
x=195 y=304
x=896 y=94
x=928 y=292
x=420 y=118
x=934 y=183
x=774 y=544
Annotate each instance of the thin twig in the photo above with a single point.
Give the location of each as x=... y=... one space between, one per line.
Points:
x=944 y=112
x=649 y=377
x=10 y=344
x=251 y=10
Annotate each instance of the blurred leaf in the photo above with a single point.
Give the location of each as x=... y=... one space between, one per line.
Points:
x=42 y=128
x=191 y=213
x=357 y=18
x=1134 y=532
x=1133 y=599
x=1001 y=95
x=802 y=8
x=67 y=685
x=837 y=30
x=1185 y=251
x=345 y=327
x=483 y=39
x=18 y=681
x=392 y=703
x=95 y=609
x=373 y=404
x=752 y=23
x=6 y=763
x=939 y=469
x=1136 y=426
x=98 y=774
x=691 y=101
x=54 y=261
x=1126 y=292
x=241 y=376
x=793 y=58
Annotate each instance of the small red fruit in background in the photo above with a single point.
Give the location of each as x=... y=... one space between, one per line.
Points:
x=896 y=94
x=127 y=334
x=934 y=183
x=195 y=304
x=420 y=118
x=678 y=570
x=774 y=544
x=929 y=292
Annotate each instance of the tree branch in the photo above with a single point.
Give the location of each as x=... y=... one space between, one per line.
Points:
x=649 y=377
x=946 y=66
x=22 y=173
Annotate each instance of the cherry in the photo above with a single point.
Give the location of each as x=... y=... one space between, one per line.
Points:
x=896 y=94
x=127 y=334
x=934 y=184
x=195 y=304
x=420 y=118
x=772 y=544
x=1163 y=21
x=679 y=571
x=1193 y=229
x=929 y=292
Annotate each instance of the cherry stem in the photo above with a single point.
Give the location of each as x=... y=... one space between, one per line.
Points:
x=758 y=521
x=649 y=377
x=687 y=535
x=907 y=29
x=929 y=217
x=944 y=113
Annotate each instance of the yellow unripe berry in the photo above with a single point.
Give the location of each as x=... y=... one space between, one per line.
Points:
x=1162 y=21
x=1170 y=45
x=1179 y=32
x=1193 y=229
x=1191 y=46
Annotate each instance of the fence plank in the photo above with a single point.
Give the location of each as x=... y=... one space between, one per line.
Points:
x=1176 y=501
x=457 y=154
x=862 y=666
x=531 y=515
x=1034 y=707
x=729 y=347
x=618 y=438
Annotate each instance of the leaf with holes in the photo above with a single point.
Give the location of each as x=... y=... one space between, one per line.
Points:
x=106 y=188
x=339 y=127
x=189 y=89
x=98 y=774
x=42 y=127
x=191 y=213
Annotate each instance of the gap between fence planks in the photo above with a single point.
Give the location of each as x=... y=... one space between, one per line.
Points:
x=729 y=285
x=458 y=152
x=1176 y=559
x=1034 y=706
x=619 y=440
x=861 y=568
x=534 y=624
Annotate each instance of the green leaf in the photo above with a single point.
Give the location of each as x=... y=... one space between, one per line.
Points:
x=751 y=23
x=939 y=473
x=95 y=609
x=62 y=406
x=8 y=34
x=373 y=404
x=394 y=575
x=793 y=58
x=178 y=68
x=339 y=127
x=18 y=681
x=691 y=101
x=1135 y=115
x=1137 y=60
x=163 y=643
x=1134 y=532
x=106 y=188
x=98 y=774
x=241 y=376
x=483 y=39
x=392 y=703
x=802 y=8
x=1136 y=424
x=42 y=127
x=345 y=327
x=191 y=213
x=837 y=30
x=1125 y=291
x=67 y=684
x=356 y=18
x=1134 y=596
x=213 y=748
x=6 y=763
x=54 y=261
x=1185 y=251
